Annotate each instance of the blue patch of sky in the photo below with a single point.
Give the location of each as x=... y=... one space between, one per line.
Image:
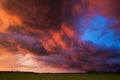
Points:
x=97 y=31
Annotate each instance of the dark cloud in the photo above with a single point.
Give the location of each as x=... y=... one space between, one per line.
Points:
x=42 y=35
x=37 y=14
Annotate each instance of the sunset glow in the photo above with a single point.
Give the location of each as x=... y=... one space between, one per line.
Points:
x=59 y=36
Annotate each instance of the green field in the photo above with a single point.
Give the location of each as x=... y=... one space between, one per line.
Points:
x=30 y=76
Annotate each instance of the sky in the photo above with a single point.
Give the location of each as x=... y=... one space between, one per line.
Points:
x=59 y=36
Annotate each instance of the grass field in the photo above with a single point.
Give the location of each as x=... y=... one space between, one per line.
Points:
x=30 y=76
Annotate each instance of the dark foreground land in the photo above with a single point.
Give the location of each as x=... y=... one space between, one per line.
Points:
x=32 y=76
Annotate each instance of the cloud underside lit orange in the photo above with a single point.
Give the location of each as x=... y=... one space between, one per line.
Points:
x=45 y=36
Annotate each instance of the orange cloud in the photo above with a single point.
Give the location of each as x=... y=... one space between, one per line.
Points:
x=7 y=20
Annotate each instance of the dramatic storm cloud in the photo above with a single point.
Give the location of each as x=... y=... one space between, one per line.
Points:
x=59 y=35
